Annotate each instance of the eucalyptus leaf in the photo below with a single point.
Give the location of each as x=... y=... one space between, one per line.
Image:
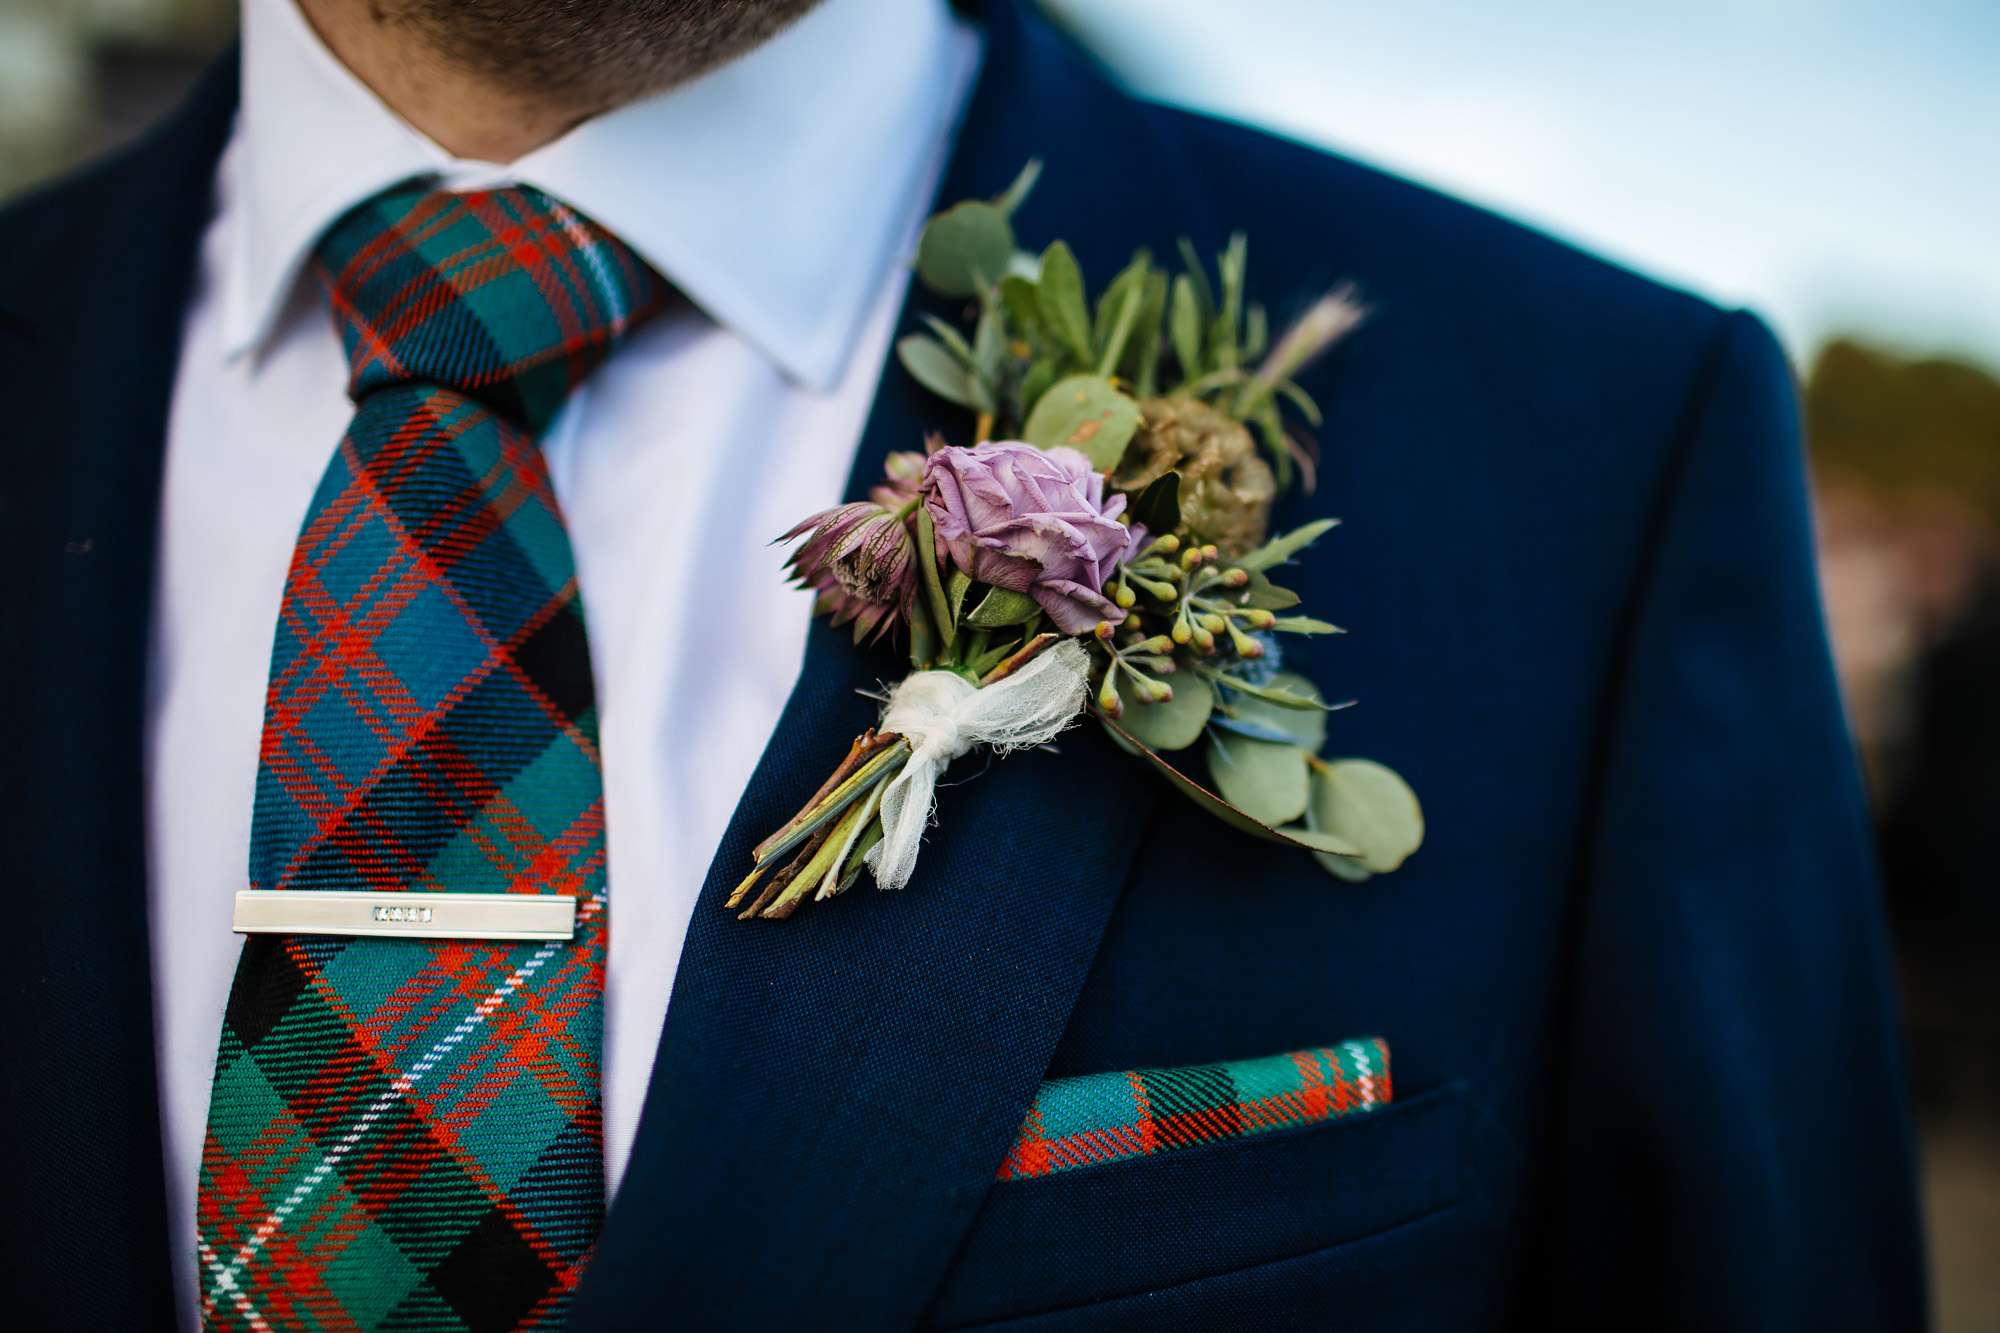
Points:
x=1158 y=507
x=1059 y=295
x=953 y=340
x=1304 y=722
x=1369 y=807
x=1271 y=694
x=1293 y=836
x=1266 y=781
x=1086 y=413
x=932 y=365
x=1254 y=730
x=1175 y=724
x=1305 y=625
x=963 y=248
x=1280 y=549
x=1002 y=607
x=1319 y=840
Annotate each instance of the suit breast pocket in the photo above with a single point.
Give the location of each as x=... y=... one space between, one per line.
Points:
x=1312 y=1226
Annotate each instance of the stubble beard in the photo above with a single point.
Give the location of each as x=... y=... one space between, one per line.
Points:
x=590 y=54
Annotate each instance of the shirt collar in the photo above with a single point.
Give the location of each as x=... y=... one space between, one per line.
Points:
x=773 y=192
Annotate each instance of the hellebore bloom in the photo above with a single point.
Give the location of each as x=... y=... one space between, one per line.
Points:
x=1033 y=520
x=861 y=561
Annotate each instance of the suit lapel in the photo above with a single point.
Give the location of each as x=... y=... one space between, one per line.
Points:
x=102 y=331
x=832 y=1094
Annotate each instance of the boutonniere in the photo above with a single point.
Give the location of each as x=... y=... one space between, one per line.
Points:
x=1101 y=546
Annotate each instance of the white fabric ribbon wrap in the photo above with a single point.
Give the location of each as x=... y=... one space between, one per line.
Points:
x=943 y=715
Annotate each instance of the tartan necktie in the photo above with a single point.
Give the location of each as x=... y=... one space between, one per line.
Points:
x=407 y=1133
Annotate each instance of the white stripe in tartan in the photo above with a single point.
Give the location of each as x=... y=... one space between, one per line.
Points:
x=240 y=1298
x=223 y=1276
x=1359 y=1052
x=608 y=286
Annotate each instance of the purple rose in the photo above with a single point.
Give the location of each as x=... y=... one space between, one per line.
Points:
x=1033 y=520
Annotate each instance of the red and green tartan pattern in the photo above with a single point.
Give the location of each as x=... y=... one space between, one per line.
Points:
x=408 y=1133
x=1092 y=1118
x=508 y=296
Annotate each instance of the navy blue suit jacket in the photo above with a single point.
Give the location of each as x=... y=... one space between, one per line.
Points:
x=1647 y=1066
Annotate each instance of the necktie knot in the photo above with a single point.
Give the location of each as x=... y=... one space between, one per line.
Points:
x=507 y=296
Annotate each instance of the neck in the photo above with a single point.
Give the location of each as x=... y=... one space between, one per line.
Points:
x=468 y=115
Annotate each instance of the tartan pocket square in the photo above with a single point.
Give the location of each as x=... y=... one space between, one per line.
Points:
x=1091 y=1118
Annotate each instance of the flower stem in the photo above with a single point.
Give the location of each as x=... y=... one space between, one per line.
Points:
x=831 y=852
x=843 y=794
x=1027 y=653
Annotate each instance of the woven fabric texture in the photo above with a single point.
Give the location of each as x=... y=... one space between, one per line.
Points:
x=1092 y=1118
x=407 y=1133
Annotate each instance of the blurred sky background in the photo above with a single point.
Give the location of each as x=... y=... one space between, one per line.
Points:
x=1834 y=163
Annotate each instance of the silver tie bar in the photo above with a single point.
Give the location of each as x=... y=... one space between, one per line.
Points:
x=422 y=916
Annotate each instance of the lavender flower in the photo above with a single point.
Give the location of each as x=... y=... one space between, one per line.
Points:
x=1033 y=520
x=860 y=559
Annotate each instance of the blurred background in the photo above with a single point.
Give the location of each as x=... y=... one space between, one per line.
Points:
x=1833 y=163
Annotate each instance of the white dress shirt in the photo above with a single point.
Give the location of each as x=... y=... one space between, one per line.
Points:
x=781 y=194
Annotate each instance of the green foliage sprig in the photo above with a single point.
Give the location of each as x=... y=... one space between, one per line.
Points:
x=1048 y=364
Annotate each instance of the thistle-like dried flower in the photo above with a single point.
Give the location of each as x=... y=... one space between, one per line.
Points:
x=1226 y=488
x=861 y=560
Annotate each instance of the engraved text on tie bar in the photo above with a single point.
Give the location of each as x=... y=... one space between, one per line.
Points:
x=461 y=916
